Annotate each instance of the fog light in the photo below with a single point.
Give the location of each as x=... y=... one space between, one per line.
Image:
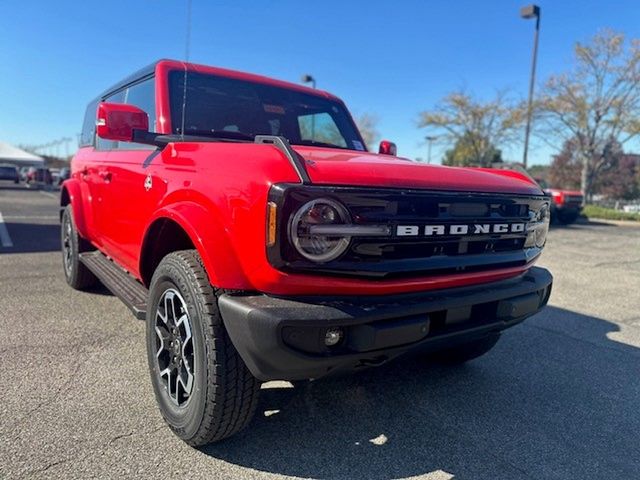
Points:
x=333 y=336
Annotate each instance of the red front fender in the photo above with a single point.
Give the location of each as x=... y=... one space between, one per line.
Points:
x=210 y=239
x=72 y=193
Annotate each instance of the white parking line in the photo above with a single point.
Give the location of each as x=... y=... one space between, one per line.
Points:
x=48 y=194
x=5 y=239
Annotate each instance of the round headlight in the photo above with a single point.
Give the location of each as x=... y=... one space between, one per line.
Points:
x=319 y=247
x=543 y=214
x=543 y=227
x=538 y=227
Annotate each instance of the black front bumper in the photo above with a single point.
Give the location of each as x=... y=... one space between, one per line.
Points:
x=283 y=338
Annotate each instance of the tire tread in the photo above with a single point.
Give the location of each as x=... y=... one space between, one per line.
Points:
x=81 y=278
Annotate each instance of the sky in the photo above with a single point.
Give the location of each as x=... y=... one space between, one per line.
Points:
x=389 y=59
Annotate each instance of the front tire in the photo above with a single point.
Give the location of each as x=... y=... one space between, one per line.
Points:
x=203 y=388
x=76 y=274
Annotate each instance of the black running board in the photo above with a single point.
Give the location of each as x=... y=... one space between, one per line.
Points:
x=118 y=281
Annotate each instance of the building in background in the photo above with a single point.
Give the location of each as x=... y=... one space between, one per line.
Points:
x=19 y=157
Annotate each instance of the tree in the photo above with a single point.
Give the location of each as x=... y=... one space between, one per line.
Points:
x=620 y=181
x=564 y=171
x=463 y=154
x=539 y=171
x=596 y=104
x=475 y=127
x=367 y=124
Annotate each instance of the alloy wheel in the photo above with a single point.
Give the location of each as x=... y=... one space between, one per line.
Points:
x=174 y=346
x=67 y=247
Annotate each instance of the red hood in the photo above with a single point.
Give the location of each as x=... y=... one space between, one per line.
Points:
x=344 y=167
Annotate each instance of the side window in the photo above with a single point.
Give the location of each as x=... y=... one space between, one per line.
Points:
x=320 y=127
x=143 y=96
x=102 y=144
x=88 y=134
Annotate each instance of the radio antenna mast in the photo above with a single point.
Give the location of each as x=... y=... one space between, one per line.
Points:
x=186 y=60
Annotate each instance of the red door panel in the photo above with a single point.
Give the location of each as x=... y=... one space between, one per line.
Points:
x=129 y=201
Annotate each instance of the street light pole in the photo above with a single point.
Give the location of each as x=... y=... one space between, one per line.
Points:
x=528 y=12
x=429 y=139
x=309 y=79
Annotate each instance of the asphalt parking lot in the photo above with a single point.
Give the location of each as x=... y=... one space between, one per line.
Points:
x=559 y=397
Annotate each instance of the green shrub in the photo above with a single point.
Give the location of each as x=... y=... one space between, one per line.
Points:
x=593 y=211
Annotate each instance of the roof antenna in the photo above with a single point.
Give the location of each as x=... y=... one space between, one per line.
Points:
x=186 y=59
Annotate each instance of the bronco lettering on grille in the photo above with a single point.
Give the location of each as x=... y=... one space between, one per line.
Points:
x=460 y=229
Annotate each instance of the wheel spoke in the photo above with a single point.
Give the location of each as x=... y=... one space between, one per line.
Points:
x=173 y=387
x=168 y=310
x=186 y=379
x=161 y=315
x=165 y=373
x=163 y=336
x=67 y=253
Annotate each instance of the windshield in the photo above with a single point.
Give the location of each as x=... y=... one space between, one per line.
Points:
x=239 y=109
x=543 y=183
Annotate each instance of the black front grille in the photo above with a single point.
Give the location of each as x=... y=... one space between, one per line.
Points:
x=573 y=200
x=409 y=255
x=391 y=250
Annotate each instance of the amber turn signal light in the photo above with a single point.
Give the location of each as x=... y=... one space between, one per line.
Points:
x=272 y=210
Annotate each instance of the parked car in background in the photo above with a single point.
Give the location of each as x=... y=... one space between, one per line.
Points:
x=23 y=173
x=633 y=208
x=9 y=172
x=566 y=205
x=64 y=174
x=38 y=177
x=55 y=175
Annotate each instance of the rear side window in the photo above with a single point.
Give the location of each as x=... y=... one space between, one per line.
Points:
x=102 y=144
x=143 y=96
x=88 y=134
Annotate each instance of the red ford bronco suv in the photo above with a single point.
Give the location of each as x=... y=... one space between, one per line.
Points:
x=566 y=205
x=244 y=220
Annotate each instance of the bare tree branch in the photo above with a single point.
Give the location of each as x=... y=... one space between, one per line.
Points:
x=597 y=102
x=481 y=126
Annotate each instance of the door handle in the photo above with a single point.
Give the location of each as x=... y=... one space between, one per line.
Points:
x=106 y=176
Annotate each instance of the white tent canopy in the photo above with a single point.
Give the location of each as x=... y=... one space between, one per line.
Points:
x=17 y=156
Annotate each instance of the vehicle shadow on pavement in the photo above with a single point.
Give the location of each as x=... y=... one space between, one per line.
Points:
x=558 y=397
x=590 y=222
x=32 y=237
x=580 y=224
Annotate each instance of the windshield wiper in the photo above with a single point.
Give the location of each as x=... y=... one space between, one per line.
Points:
x=161 y=140
x=222 y=134
x=315 y=143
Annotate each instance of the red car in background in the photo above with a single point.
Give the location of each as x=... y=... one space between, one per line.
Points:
x=566 y=205
x=38 y=176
